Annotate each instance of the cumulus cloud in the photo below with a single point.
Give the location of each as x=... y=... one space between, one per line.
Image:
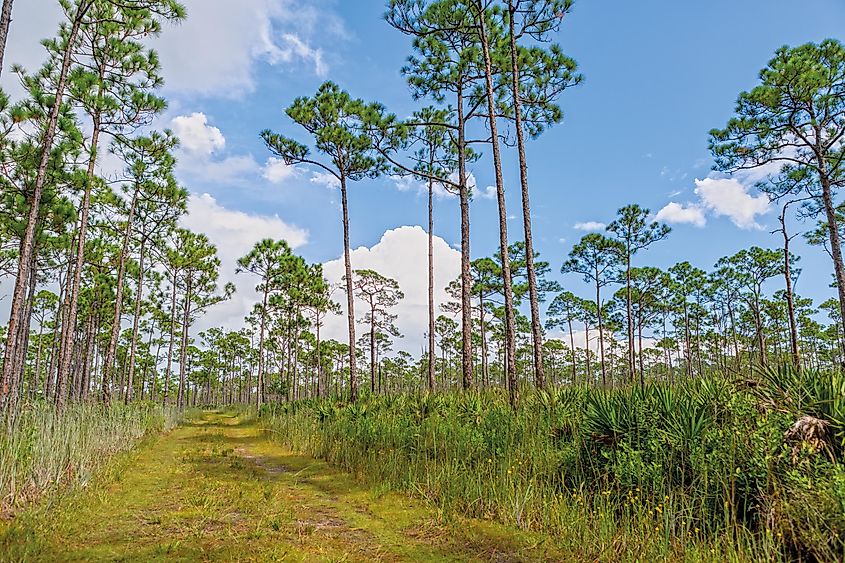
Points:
x=235 y=233
x=325 y=179
x=214 y=51
x=487 y=193
x=719 y=197
x=200 y=155
x=276 y=171
x=243 y=34
x=589 y=226
x=196 y=135
x=677 y=213
x=729 y=197
x=401 y=254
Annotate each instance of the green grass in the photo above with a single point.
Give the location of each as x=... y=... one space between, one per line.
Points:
x=43 y=453
x=217 y=489
x=695 y=472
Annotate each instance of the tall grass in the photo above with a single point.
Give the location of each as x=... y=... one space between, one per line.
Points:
x=43 y=451
x=697 y=471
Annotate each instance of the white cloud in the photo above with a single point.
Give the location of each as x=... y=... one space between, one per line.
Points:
x=487 y=193
x=589 y=226
x=214 y=51
x=401 y=254
x=730 y=198
x=276 y=171
x=292 y=47
x=678 y=213
x=235 y=233
x=196 y=135
x=721 y=197
x=200 y=159
x=325 y=179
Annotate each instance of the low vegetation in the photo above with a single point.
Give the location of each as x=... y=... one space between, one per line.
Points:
x=45 y=451
x=705 y=469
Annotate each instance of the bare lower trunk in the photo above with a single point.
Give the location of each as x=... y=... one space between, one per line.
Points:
x=166 y=392
x=601 y=336
x=373 y=351
x=183 y=349
x=27 y=245
x=630 y=320
x=136 y=318
x=66 y=350
x=350 y=297
x=536 y=326
x=510 y=337
x=259 y=395
x=467 y=377
x=5 y=21
x=835 y=244
x=431 y=284
x=790 y=300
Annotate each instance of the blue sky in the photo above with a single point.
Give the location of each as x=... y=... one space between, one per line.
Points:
x=658 y=76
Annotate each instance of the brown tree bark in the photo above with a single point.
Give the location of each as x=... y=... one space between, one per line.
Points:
x=431 y=279
x=66 y=350
x=136 y=318
x=467 y=376
x=118 y=302
x=166 y=393
x=790 y=299
x=183 y=350
x=533 y=298
x=350 y=297
x=510 y=336
x=27 y=246
x=5 y=22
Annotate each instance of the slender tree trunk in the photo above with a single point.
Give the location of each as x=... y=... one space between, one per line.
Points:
x=183 y=351
x=166 y=393
x=259 y=396
x=118 y=302
x=372 y=349
x=601 y=335
x=88 y=361
x=536 y=326
x=350 y=297
x=321 y=386
x=510 y=336
x=572 y=347
x=761 y=339
x=22 y=339
x=835 y=243
x=790 y=300
x=687 y=337
x=431 y=279
x=65 y=352
x=28 y=243
x=587 y=351
x=485 y=368
x=5 y=21
x=629 y=316
x=467 y=376
x=136 y=318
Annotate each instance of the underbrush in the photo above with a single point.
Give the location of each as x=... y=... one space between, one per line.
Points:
x=43 y=452
x=703 y=470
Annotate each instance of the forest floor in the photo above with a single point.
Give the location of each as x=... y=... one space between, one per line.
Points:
x=218 y=489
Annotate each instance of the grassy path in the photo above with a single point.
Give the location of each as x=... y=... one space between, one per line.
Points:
x=218 y=490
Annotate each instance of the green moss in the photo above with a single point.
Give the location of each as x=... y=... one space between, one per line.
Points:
x=217 y=489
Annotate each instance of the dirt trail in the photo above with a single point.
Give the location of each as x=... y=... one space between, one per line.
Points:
x=217 y=489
